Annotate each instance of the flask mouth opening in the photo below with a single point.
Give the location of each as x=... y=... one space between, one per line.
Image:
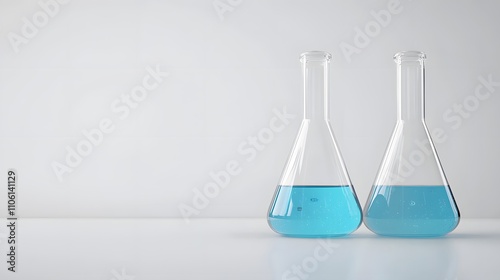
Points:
x=315 y=56
x=409 y=56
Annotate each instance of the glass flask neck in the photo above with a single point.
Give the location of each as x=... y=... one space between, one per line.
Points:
x=316 y=68
x=411 y=85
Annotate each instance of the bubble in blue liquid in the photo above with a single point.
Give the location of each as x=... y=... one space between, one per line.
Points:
x=324 y=211
x=411 y=211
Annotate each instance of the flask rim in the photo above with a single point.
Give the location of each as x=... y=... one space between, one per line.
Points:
x=409 y=55
x=315 y=56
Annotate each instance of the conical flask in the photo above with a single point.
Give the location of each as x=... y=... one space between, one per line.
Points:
x=315 y=196
x=411 y=196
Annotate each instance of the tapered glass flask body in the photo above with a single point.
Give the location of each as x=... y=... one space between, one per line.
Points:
x=315 y=196
x=411 y=196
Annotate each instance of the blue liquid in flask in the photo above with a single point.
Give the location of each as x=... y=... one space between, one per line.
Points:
x=314 y=211
x=411 y=211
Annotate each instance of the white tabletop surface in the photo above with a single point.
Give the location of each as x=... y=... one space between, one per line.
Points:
x=140 y=249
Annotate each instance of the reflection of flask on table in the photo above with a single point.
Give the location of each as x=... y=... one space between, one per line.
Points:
x=411 y=195
x=315 y=196
x=408 y=259
x=313 y=259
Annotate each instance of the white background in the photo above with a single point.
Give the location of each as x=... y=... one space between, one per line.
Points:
x=228 y=71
